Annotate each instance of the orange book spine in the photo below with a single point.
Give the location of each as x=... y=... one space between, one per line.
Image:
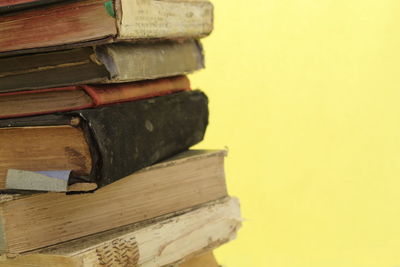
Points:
x=115 y=93
x=99 y=95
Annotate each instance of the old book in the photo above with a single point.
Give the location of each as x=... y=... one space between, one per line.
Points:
x=59 y=99
x=114 y=63
x=99 y=145
x=40 y=220
x=84 y=22
x=166 y=240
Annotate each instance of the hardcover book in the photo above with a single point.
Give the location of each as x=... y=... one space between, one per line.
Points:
x=99 y=145
x=68 y=24
x=40 y=220
x=59 y=99
x=114 y=63
x=166 y=240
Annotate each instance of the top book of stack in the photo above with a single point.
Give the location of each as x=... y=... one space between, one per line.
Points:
x=66 y=24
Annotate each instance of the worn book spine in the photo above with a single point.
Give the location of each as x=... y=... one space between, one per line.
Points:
x=151 y=19
x=167 y=240
x=61 y=99
x=81 y=23
x=113 y=63
x=126 y=62
x=122 y=92
x=126 y=137
x=40 y=220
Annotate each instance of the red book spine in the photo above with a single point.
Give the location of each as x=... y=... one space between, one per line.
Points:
x=115 y=93
x=101 y=94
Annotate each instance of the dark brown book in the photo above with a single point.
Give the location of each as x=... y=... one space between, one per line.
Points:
x=114 y=63
x=68 y=24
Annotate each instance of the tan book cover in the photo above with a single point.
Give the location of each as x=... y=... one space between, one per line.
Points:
x=177 y=239
x=39 y=220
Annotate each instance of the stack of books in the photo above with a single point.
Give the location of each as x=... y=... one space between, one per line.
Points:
x=96 y=121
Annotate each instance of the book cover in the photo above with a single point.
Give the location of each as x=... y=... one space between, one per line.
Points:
x=113 y=63
x=40 y=220
x=113 y=141
x=61 y=99
x=168 y=239
x=80 y=23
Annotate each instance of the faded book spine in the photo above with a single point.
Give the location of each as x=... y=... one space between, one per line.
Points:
x=47 y=219
x=113 y=63
x=93 y=22
x=166 y=241
x=165 y=19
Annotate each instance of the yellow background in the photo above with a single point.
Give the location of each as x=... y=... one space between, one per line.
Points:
x=306 y=95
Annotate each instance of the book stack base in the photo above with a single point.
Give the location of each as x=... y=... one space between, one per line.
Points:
x=166 y=240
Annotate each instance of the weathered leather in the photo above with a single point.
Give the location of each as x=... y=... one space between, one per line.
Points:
x=129 y=136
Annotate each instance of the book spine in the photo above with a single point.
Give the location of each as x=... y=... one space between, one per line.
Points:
x=152 y=19
x=142 y=132
x=157 y=60
x=105 y=94
x=117 y=93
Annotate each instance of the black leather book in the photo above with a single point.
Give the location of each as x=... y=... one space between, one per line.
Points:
x=104 y=144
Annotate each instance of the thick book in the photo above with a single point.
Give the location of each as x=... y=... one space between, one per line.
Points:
x=78 y=23
x=60 y=99
x=114 y=63
x=44 y=219
x=166 y=240
x=98 y=145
